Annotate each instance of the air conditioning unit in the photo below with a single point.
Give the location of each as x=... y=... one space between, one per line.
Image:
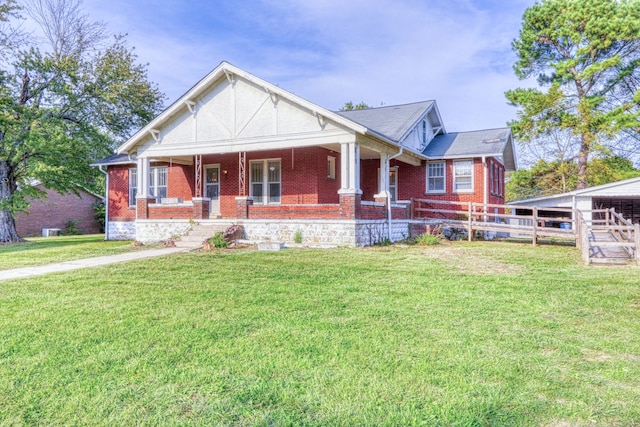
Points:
x=48 y=232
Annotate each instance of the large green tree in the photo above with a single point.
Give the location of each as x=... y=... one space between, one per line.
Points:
x=586 y=57
x=545 y=178
x=68 y=94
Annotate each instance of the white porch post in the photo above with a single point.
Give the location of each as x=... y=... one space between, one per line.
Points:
x=354 y=164
x=344 y=167
x=350 y=168
x=383 y=179
x=143 y=177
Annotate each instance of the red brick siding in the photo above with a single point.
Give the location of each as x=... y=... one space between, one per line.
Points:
x=304 y=182
x=119 y=209
x=54 y=210
x=380 y=212
x=294 y=211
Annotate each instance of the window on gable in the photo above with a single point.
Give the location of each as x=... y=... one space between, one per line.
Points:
x=265 y=183
x=133 y=186
x=436 y=177
x=463 y=175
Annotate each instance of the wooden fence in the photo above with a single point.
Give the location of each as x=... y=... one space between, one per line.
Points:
x=534 y=222
x=555 y=222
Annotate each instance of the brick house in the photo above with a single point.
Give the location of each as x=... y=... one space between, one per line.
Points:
x=55 y=209
x=237 y=149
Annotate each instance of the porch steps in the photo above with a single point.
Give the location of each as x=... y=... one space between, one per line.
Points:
x=195 y=237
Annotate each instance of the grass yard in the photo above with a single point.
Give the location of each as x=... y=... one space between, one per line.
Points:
x=47 y=250
x=468 y=334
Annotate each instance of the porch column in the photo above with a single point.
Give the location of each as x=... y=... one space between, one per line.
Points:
x=143 y=177
x=383 y=180
x=142 y=182
x=242 y=206
x=350 y=168
x=350 y=193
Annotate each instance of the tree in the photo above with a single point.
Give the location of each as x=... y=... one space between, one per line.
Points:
x=546 y=178
x=349 y=106
x=65 y=105
x=586 y=54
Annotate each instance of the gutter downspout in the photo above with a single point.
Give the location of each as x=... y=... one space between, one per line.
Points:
x=485 y=196
x=106 y=203
x=389 y=211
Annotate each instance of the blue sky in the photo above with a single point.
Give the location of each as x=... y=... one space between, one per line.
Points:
x=457 y=52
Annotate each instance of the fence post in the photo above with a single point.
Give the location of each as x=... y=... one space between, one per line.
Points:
x=470 y=237
x=412 y=207
x=636 y=232
x=586 y=247
x=534 y=223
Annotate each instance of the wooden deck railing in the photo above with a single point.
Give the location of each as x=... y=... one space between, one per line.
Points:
x=620 y=235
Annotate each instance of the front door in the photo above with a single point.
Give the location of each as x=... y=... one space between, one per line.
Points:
x=212 y=188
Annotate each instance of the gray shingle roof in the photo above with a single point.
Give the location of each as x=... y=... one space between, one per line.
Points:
x=115 y=159
x=491 y=142
x=392 y=122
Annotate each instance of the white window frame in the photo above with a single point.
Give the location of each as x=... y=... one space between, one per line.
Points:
x=393 y=183
x=266 y=184
x=457 y=178
x=331 y=167
x=154 y=181
x=444 y=177
x=155 y=184
x=133 y=186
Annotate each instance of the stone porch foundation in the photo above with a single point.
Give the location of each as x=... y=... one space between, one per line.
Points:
x=313 y=232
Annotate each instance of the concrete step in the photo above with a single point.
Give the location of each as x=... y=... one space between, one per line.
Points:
x=195 y=237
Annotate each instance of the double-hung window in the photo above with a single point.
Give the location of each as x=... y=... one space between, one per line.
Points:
x=463 y=175
x=265 y=183
x=157 y=184
x=436 y=177
x=133 y=186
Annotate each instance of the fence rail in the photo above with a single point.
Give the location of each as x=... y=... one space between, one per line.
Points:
x=534 y=222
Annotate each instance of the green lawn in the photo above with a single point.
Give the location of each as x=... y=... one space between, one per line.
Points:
x=46 y=250
x=468 y=334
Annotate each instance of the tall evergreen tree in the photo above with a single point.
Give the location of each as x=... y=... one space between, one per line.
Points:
x=586 y=57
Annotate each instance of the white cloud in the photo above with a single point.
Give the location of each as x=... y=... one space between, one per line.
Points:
x=332 y=51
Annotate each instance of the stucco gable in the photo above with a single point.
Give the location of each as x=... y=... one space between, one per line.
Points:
x=230 y=104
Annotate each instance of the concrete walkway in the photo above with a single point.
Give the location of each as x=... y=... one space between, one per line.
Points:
x=40 y=270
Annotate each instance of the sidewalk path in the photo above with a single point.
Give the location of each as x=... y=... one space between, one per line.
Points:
x=40 y=270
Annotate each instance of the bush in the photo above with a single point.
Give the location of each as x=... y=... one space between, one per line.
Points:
x=71 y=227
x=218 y=241
x=428 y=239
x=99 y=210
x=297 y=238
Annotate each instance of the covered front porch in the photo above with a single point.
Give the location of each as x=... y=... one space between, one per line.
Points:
x=300 y=182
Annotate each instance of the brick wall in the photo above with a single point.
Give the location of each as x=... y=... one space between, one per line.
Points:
x=304 y=181
x=294 y=211
x=119 y=209
x=54 y=210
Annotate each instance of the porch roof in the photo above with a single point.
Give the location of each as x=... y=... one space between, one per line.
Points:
x=116 y=159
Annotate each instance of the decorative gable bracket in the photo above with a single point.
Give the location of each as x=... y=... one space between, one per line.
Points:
x=321 y=120
x=155 y=134
x=191 y=106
